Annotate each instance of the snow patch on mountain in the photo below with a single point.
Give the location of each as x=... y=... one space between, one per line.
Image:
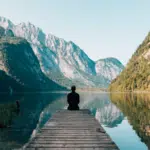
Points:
x=5 y=23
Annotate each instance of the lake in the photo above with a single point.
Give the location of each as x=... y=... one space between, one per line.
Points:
x=125 y=117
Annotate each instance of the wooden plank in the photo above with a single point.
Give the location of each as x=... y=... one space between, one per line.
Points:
x=59 y=138
x=47 y=145
x=70 y=149
x=73 y=123
x=71 y=136
x=71 y=142
x=72 y=130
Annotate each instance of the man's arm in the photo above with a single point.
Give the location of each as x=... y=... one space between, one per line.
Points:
x=78 y=98
x=68 y=99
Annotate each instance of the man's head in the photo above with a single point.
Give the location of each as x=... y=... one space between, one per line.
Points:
x=73 y=88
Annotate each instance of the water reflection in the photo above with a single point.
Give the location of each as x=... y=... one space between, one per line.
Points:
x=7 y=113
x=37 y=109
x=110 y=116
x=102 y=108
x=22 y=125
x=137 y=109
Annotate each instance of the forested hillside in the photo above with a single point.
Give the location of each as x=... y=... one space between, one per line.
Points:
x=136 y=75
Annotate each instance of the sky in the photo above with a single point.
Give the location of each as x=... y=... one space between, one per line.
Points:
x=102 y=28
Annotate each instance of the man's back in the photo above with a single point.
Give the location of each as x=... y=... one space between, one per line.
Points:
x=73 y=99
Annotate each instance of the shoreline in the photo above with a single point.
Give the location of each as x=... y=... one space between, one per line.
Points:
x=78 y=90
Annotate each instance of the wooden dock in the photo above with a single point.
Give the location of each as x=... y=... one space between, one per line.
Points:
x=72 y=130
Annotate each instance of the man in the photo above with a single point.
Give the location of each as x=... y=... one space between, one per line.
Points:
x=73 y=99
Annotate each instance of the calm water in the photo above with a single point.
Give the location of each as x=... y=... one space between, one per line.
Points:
x=125 y=117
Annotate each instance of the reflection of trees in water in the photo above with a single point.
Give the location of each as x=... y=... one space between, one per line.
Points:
x=22 y=126
x=137 y=109
x=7 y=113
x=9 y=109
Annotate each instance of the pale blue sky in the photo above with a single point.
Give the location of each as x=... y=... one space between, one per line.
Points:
x=102 y=28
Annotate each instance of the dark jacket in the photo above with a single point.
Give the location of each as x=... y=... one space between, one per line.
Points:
x=73 y=99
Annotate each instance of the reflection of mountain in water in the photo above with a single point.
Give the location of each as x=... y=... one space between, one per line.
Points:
x=110 y=115
x=50 y=109
x=101 y=107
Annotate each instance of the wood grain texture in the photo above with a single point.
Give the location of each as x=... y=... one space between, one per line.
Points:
x=72 y=130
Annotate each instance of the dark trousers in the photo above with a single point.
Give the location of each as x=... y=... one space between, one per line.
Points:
x=73 y=107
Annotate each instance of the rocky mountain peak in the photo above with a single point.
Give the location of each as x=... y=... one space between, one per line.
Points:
x=5 y=23
x=65 y=62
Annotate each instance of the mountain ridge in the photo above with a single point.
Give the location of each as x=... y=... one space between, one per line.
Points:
x=63 y=62
x=19 y=67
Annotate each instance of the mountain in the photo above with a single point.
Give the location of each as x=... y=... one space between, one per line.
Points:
x=65 y=62
x=136 y=75
x=109 y=68
x=19 y=67
x=7 y=83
